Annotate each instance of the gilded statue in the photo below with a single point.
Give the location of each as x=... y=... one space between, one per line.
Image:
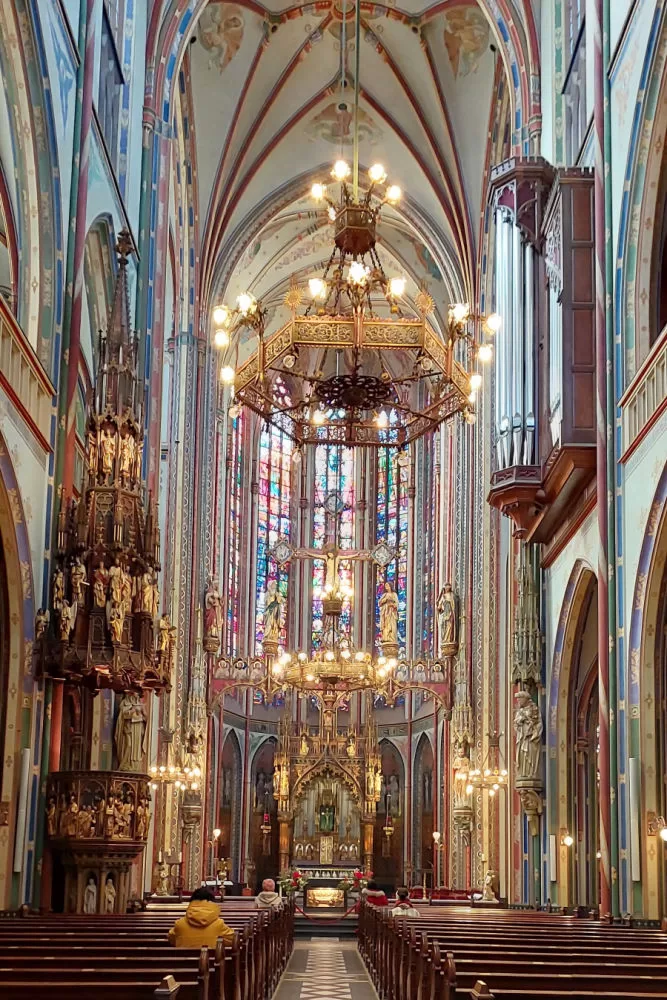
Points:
x=93 y=453
x=116 y=622
x=145 y=593
x=130 y=732
x=126 y=591
x=41 y=622
x=67 y=616
x=304 y=748
x=51 y=818
x=85 y=822
x=100 y=585
x=79 y=580
x=164 y=634
x=378 y=785
x=108 y=448
x=126 y=456
x=58 y=589
x=389 y=615
x=213 y=611
x=273 y=612
x=528 y=728
x=447 y=618
x=70 y=818
x=143 y=819
x=351 y=748
x=116 y=584
x=284 y=783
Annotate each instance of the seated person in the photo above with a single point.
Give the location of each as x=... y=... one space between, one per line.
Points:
x=268 y=898
x=374 y=895
x=403 y=908
x=202 y=923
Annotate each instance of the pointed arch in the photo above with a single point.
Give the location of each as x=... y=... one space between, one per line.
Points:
x=230 y=777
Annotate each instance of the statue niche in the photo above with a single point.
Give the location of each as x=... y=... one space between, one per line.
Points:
x=327 y=819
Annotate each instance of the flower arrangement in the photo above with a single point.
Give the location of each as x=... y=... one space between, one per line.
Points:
x=292 y=881
x=355 y=882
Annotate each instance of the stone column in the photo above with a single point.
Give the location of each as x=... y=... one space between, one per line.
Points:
x=191 y=811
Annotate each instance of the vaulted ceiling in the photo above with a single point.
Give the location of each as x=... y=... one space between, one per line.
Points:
x=270 y=116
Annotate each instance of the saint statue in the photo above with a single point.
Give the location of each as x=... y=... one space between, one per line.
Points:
x=90 y=897
x=273 y=612
x=79 y=580
x=351 y=748
x=92 y=454
x=130 y=733
x=389 y=615
x=146 y=595
x=126 y=456
x=116 y=620
x=304 y=748
x=41 y=623
x=109 y=896
x=67 y=615
x=58 y=589
x=143 y=818
x=116 y=584
x=108 y=448
x=165 y=633
x=100 y=585
x=528 y=728
x=213 y=611
x=327 y=817
x=447 y=618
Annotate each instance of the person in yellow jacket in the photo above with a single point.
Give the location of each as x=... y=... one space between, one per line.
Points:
x=202 y=923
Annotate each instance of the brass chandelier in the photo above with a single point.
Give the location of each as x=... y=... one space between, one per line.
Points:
x=340 y=372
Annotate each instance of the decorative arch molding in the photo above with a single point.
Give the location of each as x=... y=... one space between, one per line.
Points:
x=16 y=677
x=40 y=237
x=644 y=688
x=570 y=621
x=641 y=213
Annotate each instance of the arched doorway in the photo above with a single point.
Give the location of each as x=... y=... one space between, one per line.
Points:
x=573 y=745
x=263 y=846
x=388 y=851
x=229 y=812
x=422 y=808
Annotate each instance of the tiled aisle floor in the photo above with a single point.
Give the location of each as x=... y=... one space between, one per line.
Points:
x=325 y=970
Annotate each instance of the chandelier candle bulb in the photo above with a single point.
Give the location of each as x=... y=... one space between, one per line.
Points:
x=221 y=315
x=460 y=312
x=393 y=194
x=221 y=338
x=227 y=374
x=493 y=323
x=475 y=381
x=317 y=288
x=341 y=170
x=397 y=287
x=246 y=303
x=377 y=173
x=485 y=353
x=319 y=417
x=318 y=191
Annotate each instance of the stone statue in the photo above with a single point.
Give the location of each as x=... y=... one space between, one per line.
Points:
x=58 y=589
x=108 y=448
x=109 y=896
x=488 y=895
x=79 y=580
x=212 y=611
x=100 y=585
x=90 y=897
x=272 y=612
x=130 y=733
x=41 y=623
x=126 y=456
x=447 y=618
x=528 y=728
x=67 y=614
x=389 y=615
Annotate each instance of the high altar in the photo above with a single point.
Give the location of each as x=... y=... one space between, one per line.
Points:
x=327 y=783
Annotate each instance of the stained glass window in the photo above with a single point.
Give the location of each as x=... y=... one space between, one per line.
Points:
x=234 y=535
x=273 y=521
x=392 y=528
x=334 y=474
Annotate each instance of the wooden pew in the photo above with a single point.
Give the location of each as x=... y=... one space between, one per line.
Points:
x=77 y=956
x=532 y=955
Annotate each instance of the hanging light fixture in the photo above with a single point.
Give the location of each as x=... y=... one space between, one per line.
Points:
x=334 y=360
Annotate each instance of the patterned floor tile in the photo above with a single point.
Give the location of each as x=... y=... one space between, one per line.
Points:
x=325 y=970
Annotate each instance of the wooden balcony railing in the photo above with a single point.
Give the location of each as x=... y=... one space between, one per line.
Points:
x=646 y=397
x=23 y=379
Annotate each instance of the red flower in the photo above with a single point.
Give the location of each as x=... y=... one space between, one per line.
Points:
x=358 y=875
